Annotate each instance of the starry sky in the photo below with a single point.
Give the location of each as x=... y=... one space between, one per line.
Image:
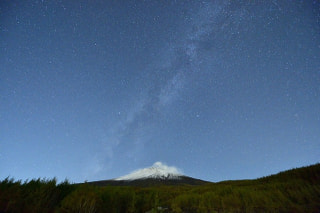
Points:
x=91 y=90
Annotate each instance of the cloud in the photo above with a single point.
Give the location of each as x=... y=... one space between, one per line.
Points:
x=169 y=169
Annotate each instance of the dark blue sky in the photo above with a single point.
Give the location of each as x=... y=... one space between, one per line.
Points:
x=92 y=90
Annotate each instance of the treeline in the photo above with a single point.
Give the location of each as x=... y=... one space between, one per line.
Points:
x=33 y=196
x=297 y=190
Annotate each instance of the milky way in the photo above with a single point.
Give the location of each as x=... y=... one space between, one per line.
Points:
x=220 y=89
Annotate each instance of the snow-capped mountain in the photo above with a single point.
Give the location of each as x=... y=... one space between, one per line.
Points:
x=157 y=174
x=157 y=171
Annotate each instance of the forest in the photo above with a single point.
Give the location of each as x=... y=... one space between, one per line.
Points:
x=295 y=190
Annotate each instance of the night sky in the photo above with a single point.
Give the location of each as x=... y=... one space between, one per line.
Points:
x=93 y=90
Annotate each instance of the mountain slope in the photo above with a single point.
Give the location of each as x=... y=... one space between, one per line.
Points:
x=158 y=174
x=183 y=180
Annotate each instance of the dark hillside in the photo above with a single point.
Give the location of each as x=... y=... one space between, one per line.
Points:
x=295 y=190
x=309 y=173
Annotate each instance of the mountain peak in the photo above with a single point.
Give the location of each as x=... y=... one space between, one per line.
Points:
x=157 y=174
x=157 y=171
